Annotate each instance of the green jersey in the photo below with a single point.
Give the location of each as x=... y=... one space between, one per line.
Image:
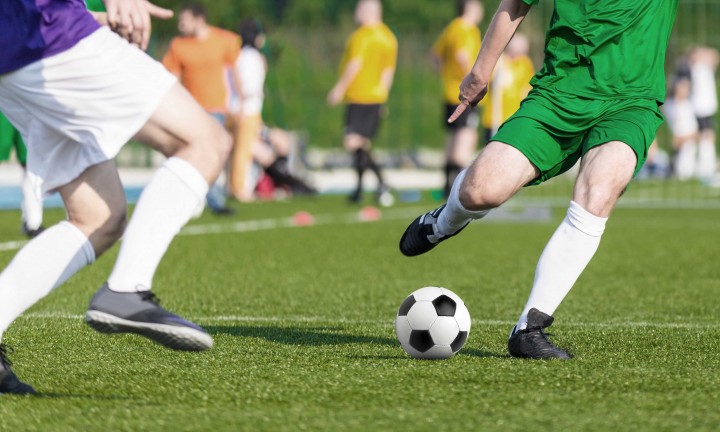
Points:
x=607 y=49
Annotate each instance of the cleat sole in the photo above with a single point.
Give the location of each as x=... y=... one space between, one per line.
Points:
x=174 y=337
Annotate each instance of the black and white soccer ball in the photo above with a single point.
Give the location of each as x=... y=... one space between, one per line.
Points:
x=432 y=323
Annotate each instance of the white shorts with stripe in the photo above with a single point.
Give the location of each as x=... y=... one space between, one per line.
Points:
x=79 y=107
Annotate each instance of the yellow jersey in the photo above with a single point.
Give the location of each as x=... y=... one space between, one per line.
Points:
x=512 y=77
x=458 y=37
x=375 y=46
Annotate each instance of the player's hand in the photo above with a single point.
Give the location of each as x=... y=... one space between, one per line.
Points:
x=131 y=19
x=335 y=96
x=472 y=90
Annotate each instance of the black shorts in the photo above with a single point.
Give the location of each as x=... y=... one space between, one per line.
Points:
x=469 y=118
x=363 y=120
x=706 y=123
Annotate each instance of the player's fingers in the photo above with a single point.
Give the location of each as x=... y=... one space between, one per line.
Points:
x=146 y=25
x=158 y=12
x=112 y=13
x=458 y=111
x=137 y=22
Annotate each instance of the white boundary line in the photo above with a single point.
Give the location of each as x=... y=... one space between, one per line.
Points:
x=389 y=322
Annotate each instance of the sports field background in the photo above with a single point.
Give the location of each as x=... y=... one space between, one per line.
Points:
x=306 y=39
x=303 y=324
x=303 y=316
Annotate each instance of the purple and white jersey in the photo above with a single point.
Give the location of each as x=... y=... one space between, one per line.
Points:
x=31 y=30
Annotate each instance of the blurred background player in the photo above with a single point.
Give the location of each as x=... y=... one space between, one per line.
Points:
x=509 y=86
x=683 y=123
x=31 y=204
x=251 y=67
x=454 y=53
x=254 y=143
x=203 y=57
x=367 y=70
x=703 y=62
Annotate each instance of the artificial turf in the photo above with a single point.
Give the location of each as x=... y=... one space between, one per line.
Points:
x=303 y=326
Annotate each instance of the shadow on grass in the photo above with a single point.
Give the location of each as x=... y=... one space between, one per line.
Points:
x=42 y=395
x=319 y=336
x=315 y=336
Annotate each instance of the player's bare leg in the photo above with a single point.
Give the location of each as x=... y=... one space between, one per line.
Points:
x=360 y=148
x=605 y=172
x=197 y=147
x=497 y=174
x=95 y=204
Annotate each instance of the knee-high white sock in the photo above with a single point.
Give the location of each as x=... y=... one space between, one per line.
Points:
x=31 y=205
x=566 y=255
x=41 y=266
x=164 y=207
x=455 y=216
x=706 y=159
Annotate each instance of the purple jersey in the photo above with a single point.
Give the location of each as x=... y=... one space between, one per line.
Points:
x=34 y=29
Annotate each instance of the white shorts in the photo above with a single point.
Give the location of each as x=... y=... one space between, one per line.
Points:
x=79 y=107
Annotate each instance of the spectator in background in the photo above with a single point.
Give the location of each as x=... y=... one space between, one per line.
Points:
x=703 y=63
x=251 y=67
x=202 y=57
x=31 y=204
x=681 y=118
x=509 y=86
x=454 y=53
x=367 y=70
x=252 y=144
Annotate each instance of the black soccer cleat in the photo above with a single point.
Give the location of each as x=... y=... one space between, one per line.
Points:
x=140 y=313
x=421 y=235
x=532 y=342
x=32 y=233
x=9 y=382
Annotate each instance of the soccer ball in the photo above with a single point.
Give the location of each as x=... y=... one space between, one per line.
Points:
x=432 y=323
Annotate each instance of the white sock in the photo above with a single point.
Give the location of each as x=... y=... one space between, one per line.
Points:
x=455 y=216
x=165 y=206
x=566 y=255
x=706 y=159
x=41 y=266
x=32 y=208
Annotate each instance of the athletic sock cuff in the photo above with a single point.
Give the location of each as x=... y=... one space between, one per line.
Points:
x=82 y=239
x=585 y=221
x=189 y=175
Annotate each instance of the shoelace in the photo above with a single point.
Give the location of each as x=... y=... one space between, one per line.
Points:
x=149 y=296
x=4 y=351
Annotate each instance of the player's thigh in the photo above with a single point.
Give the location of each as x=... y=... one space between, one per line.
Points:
x=181 y=127
x=354 y=141
x=95 y=203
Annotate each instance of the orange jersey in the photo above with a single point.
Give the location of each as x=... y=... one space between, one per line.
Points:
x=375 y=46
x=202 y=65
x=458 y=37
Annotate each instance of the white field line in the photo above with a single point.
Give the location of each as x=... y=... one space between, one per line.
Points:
x=326 y=320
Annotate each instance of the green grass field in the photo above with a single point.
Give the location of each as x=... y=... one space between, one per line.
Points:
x=304 y=340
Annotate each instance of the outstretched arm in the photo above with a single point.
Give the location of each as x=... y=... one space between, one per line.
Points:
x=131 y=19
x=506 y=21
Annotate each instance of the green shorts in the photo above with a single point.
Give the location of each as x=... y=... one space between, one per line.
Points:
x=555 y=130
x=10 y=139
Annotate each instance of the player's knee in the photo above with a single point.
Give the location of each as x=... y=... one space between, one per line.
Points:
x=481 y=198
x=108 y=231
x=598 y=200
